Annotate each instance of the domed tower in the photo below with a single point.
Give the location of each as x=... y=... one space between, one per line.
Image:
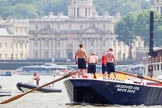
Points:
x=81 y=8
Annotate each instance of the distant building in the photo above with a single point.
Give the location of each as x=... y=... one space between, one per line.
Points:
x=157 y=6
x=14 y=42
x=56 y=37
x=60 y=35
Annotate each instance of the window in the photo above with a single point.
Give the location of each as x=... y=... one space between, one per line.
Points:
x=58 y=43
x=86 y=12
x=69 y=26
x=36 y=54
x=21 y=55
x=46 y=53
x=6 y=45
x=16 y=45
x=57 y=54
x=21 y=45
x=92 y=43
x=36 y=26
x=6 y=56
x=74 y=2
x=155 y=67
x=36 y=43
x=81 y=27
x=46 y=43
x=104 y=43
x=158 y=67
x=161 y=10
x=103 y=26
x=77 y=11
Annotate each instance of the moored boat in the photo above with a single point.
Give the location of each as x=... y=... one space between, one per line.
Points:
x=7 y=73
x=45 y=69
x=3 y=92
x=24 y=87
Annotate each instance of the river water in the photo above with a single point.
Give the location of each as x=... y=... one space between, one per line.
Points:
x=45 y=100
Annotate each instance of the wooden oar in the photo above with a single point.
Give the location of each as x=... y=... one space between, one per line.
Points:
x=20 y=95
x=136 y=76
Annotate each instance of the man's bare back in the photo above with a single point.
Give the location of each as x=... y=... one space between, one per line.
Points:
x=81 y=53
x=109 y=57
x=80 y=59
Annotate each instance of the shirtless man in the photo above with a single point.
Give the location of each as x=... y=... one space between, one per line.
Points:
x=80 y=59
x=36 y=78
x=92 y=61
x=110 y=62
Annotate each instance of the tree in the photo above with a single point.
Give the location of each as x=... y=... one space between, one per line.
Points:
x=24 y=11
x=138 y=24
x=125 y=28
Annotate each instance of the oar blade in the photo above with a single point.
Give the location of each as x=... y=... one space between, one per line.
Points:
x=13 y=98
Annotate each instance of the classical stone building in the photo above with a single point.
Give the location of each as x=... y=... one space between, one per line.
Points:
x=14 y=42
x=59 y=35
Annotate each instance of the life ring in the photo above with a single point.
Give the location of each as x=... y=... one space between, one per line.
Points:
x=150 y=68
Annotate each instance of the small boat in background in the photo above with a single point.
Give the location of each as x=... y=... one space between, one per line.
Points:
x=4 y=93
x=45 y=69
x=24 y=87
x=7 y=73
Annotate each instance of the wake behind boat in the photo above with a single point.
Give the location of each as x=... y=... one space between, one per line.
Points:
x=24 y=87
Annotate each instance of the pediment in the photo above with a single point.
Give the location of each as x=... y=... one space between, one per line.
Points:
x=91 y=30
x=47 y=30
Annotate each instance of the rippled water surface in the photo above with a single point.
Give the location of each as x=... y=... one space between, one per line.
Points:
x=45 y=100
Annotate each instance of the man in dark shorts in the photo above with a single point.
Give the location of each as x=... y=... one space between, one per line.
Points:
x=92 y=61
x=110 y=62
x=80 y=59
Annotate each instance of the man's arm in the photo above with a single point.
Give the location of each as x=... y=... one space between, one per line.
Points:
x=86 y=57
x=96 y=59
x=105 y=59
x=76 y=57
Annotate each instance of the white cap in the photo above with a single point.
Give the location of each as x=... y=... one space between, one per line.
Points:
x=93 y=53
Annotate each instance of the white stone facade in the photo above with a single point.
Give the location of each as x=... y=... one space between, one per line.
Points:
x=14 y=42
x=60 y=35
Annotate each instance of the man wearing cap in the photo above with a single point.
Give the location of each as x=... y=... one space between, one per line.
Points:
x=110 y=62
x=92 y=61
